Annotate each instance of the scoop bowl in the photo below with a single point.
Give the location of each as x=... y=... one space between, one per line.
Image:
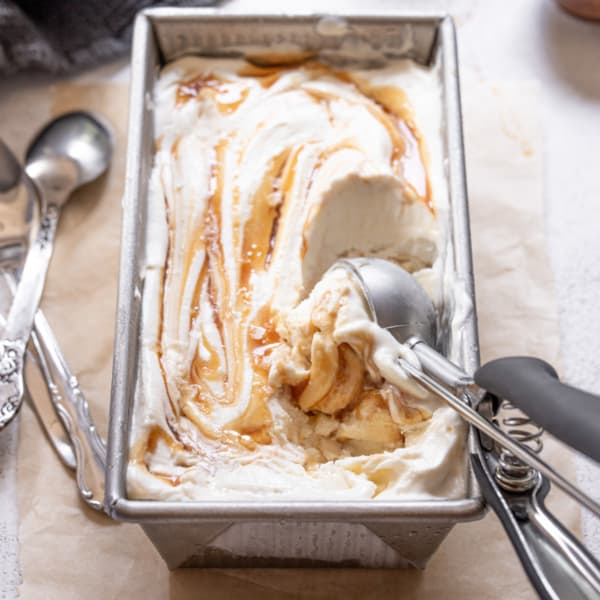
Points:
x=79 y=138
x=395 y=299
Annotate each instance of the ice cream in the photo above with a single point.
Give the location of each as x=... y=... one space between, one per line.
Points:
x=261 y=379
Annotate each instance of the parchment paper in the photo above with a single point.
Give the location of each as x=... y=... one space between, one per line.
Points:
x=68 y=551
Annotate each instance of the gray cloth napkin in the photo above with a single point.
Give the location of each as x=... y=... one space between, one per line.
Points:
x=65 y=35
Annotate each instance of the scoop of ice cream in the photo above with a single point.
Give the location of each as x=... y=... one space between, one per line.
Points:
x=332 y=355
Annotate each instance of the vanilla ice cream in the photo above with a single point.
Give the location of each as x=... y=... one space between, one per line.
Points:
x=260 y=378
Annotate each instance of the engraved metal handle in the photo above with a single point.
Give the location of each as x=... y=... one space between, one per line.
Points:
x=72 y=409
x=19 y=321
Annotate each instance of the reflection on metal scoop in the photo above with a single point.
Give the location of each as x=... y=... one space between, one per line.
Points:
x=396 y=301
x=399 y=304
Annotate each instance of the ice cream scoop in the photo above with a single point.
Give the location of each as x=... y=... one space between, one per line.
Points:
x=399 y=304
x=556 y=563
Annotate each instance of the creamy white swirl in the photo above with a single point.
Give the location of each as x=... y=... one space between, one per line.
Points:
x=263 y=176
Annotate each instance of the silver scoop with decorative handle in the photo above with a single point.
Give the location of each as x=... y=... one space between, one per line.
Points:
x=76 y=135
x=18 y=218
x=72 y=150
x=558 y=566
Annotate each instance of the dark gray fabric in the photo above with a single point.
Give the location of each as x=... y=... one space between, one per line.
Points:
x=63 y=35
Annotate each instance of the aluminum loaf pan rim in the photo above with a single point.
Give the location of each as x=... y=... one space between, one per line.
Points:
x=144 y=62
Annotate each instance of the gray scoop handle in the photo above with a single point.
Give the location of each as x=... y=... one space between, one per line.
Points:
x=532 y=385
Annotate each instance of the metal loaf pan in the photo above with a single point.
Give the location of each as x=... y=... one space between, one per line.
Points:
x=367 y=534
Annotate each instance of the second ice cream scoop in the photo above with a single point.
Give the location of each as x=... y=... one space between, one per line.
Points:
x=72 y=150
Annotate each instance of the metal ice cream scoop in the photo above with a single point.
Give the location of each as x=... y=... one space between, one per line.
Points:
x=399 y=304
x=513 y=478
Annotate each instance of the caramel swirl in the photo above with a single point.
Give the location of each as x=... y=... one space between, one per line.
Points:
x=244 y=177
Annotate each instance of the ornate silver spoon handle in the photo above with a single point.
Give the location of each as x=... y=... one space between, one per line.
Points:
x=38 y=395
x=39 y=398
x=19 y=321
x=73 y=410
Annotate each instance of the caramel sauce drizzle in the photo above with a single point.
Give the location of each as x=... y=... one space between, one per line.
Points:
x=217 y=282
x=256 y=242
x=257 y=247
x=210 y=86
x=285 y=185
x=148 y=446
x=266 y=76
x=195 y=87
x=411 y=155
x=158 y=434
x=390 y=106
x=258 y=231
x=161 y=317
